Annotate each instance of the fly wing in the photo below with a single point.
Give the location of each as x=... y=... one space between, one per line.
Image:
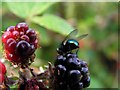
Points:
x=82 y=36
x=71 y=35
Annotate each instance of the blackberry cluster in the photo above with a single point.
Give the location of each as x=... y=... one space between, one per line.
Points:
x=20 y=43
x=70 y=73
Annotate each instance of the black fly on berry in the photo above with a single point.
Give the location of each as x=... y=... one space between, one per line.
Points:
x=70 y=43
x=70 y=71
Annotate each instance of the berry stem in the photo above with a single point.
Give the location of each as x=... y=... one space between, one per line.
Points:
x=31 y=71
x=50 y=69
x=24 y=73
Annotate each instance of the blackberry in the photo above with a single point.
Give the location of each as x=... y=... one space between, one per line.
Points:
x=20 y=43
x=83 y=64
x=77 y=86
x=71 y=55
x=86 y=81
x=60 y=86
x=84 y=70
x=73 y=63
x=70 y=73
x=60 y=72
x=60 y=60
x=74 y=77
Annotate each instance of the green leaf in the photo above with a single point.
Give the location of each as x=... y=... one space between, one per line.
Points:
x=13 y=87
x=53 y=23
x=14 y=78
x=45 y=37
x=28 y=9
x=95 y=83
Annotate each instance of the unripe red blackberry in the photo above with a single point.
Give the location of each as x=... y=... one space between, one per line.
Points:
x=2 y=72
x=6 y=36
x=35 y=43
x=1 y=78
x=21 y=27
x=25 y=37
x=2 y=68
x=10 y=45
x=20 y=43
x=31 y=34
x=15 y=34
x=11 y=28
x=12 y=57
x=71 y=73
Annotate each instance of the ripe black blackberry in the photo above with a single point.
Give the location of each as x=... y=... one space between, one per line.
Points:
x=70 y=73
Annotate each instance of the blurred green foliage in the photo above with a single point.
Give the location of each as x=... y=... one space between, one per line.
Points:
x=54 y=20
